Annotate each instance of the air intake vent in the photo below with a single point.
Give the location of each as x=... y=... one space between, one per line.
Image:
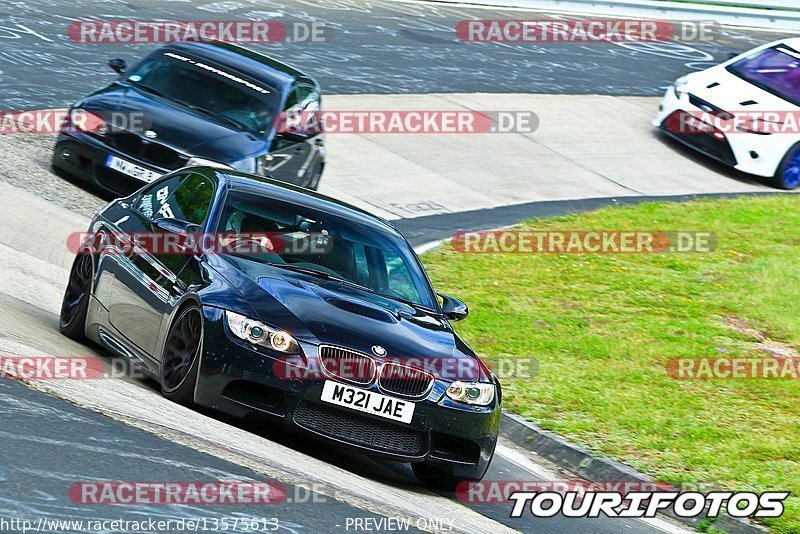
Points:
x=405 y=381
x=359 y=430
x=709 y=108
x=748 y=103
x=347 y=364
x=712 y=85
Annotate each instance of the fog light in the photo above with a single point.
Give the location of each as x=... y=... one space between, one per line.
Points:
x=754 y=154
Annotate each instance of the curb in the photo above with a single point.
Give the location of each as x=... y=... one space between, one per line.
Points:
x=583 y=463
x=772 y=19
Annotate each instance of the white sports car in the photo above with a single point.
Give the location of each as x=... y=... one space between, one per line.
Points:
x=744 y=112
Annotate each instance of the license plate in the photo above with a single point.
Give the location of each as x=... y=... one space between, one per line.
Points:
x=131 y=169
x=367 y=401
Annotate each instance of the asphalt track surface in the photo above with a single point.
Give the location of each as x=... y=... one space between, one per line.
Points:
x=378 y=47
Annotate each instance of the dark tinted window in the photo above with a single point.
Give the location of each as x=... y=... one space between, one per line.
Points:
x=184 y=197
x=377 y=259
x=191 y=200
x=225 y=94
x=153 y=198
x=776 y=70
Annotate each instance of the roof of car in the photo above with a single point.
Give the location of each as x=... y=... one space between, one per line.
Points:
x=250 y=183
x=258 y=66
x=794 y=42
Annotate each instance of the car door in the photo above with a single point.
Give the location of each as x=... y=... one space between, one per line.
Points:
x=294 y=152
x=147 y=283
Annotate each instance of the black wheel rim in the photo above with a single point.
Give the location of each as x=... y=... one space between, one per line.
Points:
x=80 y=279
x=181 y=349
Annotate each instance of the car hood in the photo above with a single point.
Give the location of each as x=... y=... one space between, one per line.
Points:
x=184 y=130
x=329 y=313
x=733 y=94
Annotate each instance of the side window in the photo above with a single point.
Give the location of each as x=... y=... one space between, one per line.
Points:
x=301 y=113
x=360 y=259
x=308 y=103
x=398 y=278
x=190 y=201
x=184 y=197
x=308 y=98
x=151 y=202
x=291 y=101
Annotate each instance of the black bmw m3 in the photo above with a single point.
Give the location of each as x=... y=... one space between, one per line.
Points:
x=249 y=295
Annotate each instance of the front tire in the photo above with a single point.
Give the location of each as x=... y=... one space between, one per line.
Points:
x=181 y=358
x=75 y=304
x=788 y=174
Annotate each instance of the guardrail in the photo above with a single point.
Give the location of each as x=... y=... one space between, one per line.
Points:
x=760 y=4
x=781 y=15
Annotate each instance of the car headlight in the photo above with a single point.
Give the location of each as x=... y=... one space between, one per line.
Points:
x=200 y=162
x=475 y=393
x=679 y=87
x=258 y=333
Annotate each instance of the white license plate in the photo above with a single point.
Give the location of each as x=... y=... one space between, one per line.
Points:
x=367 y=401
x=131 y=169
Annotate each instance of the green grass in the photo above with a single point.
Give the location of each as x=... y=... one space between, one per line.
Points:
x=602 y=328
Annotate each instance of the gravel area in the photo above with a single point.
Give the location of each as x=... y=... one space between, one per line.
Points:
x=26 y=164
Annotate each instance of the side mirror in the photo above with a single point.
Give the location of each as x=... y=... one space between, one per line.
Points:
x=118 y=65
x=176 y=226
x=453 y=309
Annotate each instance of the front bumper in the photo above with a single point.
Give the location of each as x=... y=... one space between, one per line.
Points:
x=236 y=379
x=754 y=154
x=84 y=156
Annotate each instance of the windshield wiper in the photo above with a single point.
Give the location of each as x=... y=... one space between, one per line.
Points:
x=408 y=302
x=209 y=113
x=147 y=88
x=320 y=274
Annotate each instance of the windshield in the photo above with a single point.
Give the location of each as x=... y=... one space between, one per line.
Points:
x=305 y=242
x=776 y=70
x=215 y=91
